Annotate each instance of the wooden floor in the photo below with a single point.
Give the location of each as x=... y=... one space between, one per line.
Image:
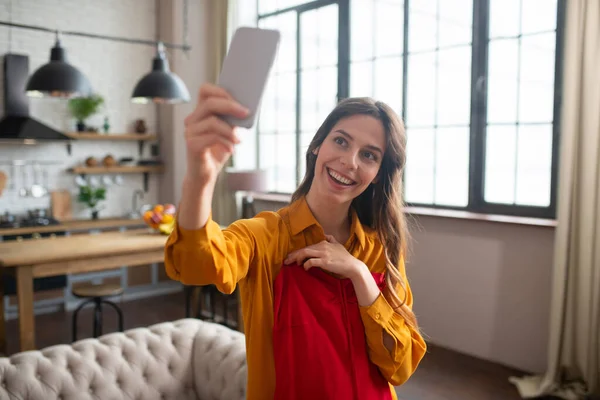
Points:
x=442 y=375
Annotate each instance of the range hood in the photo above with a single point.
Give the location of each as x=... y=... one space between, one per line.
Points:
x=16 y=126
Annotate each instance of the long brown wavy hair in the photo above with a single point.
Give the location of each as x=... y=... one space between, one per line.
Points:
x=380 y=205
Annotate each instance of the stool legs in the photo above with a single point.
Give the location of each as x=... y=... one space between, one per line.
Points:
x=97 y=327
x=119 y=313
x=74 y=318
x=97 y=317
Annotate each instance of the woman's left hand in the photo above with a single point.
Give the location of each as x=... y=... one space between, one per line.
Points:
x=329 y=255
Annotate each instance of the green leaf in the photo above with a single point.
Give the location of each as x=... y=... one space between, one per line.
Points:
x=84 y=107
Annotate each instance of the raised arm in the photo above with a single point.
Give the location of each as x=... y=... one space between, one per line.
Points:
x=209 y=144
x=197 y=252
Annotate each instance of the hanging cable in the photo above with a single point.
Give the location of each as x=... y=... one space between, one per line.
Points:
x=153 y=43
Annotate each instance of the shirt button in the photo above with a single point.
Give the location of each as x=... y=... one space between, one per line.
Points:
x=377 y=316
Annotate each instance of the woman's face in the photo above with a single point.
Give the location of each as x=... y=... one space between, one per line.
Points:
x=349 y=158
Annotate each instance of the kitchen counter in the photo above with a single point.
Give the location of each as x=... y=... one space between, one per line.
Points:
x=70 y=255
x=75 y=225
x=81 y=247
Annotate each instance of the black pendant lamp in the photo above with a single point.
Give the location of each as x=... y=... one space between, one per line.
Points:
x=58 y=78
x=160 y=85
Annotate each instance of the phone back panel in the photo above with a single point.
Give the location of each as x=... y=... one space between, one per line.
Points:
x=246 y=69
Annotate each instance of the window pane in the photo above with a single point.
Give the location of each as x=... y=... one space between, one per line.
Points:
x=327 y=89
x=285 y=60
x=309 y=31
x=452 y=167
x=504 y=17
x=389 y=34
x=423 y=27
x=455 y=22
x=328 y=35
x=266 y=6
x=503 y=81
x=285 y=166
x=534 y=165
x=361 y=30
x=361 y=79
x=388 y=82
x=500 y=158
x=420 y=107
x=245 y=151
x=267 y=118
x=536 y=95
x=538 y=16
x=309 y=100
x=286 y=102
x=419 y=177
x=454 y=86
x=269 y=6
x=266 y=159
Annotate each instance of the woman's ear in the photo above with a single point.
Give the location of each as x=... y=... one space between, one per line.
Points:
x=315 y=151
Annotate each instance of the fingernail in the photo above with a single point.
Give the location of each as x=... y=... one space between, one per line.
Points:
x=286 y=261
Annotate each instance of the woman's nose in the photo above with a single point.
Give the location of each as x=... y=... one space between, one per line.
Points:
x=349 y=160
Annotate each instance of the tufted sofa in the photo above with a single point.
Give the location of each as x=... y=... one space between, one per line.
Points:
x=181 y=360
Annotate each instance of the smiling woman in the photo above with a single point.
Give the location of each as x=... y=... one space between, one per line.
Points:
x=325 y=299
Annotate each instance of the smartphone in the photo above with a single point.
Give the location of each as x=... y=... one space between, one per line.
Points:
x=246 y=69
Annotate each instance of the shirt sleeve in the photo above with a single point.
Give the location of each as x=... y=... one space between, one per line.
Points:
x=212 y=255
x=408 y=348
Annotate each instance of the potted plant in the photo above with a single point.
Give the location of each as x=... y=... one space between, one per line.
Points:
x=82 y=108
x=91 y=196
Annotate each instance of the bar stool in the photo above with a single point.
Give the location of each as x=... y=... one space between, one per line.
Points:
x=97 y=294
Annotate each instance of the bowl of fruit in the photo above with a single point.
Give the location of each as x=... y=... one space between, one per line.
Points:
x=161 y=218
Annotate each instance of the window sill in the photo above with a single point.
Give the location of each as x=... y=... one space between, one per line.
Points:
x=459 y=214
x=436 y=212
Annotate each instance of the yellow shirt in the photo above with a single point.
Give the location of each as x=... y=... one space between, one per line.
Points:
x=250 y=252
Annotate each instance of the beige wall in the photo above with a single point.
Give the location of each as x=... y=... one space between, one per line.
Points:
x=483 y=288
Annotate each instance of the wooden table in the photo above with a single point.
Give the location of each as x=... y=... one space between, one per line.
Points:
x=69 y=255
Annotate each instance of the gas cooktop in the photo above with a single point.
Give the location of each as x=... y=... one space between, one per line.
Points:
x=33 y=219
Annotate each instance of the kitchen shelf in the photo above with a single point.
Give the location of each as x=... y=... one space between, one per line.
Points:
x=119 y=169
x=141 y=138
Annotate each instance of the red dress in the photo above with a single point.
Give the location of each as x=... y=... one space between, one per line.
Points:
x=319 y=339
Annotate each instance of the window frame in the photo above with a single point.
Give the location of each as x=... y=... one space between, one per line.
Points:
x=478 y=107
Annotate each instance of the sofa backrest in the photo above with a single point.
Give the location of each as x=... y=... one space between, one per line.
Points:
x=162 y=361
x=220 y=363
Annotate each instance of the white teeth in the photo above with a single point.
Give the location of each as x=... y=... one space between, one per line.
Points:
x=339 y=178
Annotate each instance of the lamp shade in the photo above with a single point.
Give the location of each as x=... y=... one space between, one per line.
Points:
x=247 y=180
x=160 y=85
x=58 y=78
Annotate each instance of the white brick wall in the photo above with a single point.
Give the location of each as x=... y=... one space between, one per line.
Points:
x=113 y=68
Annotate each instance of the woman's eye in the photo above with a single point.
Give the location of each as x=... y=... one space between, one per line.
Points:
x=339 y=140
x=370 y=155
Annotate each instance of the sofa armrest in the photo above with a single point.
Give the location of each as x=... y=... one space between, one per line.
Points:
x=142 y=363
x=220 y=363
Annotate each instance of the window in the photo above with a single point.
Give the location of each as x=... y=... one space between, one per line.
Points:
x=476 y=82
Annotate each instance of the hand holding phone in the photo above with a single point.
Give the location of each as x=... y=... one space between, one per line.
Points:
x=234 y=101
x=246 y=69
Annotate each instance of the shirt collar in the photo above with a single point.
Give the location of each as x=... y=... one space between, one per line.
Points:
x=301 y=217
